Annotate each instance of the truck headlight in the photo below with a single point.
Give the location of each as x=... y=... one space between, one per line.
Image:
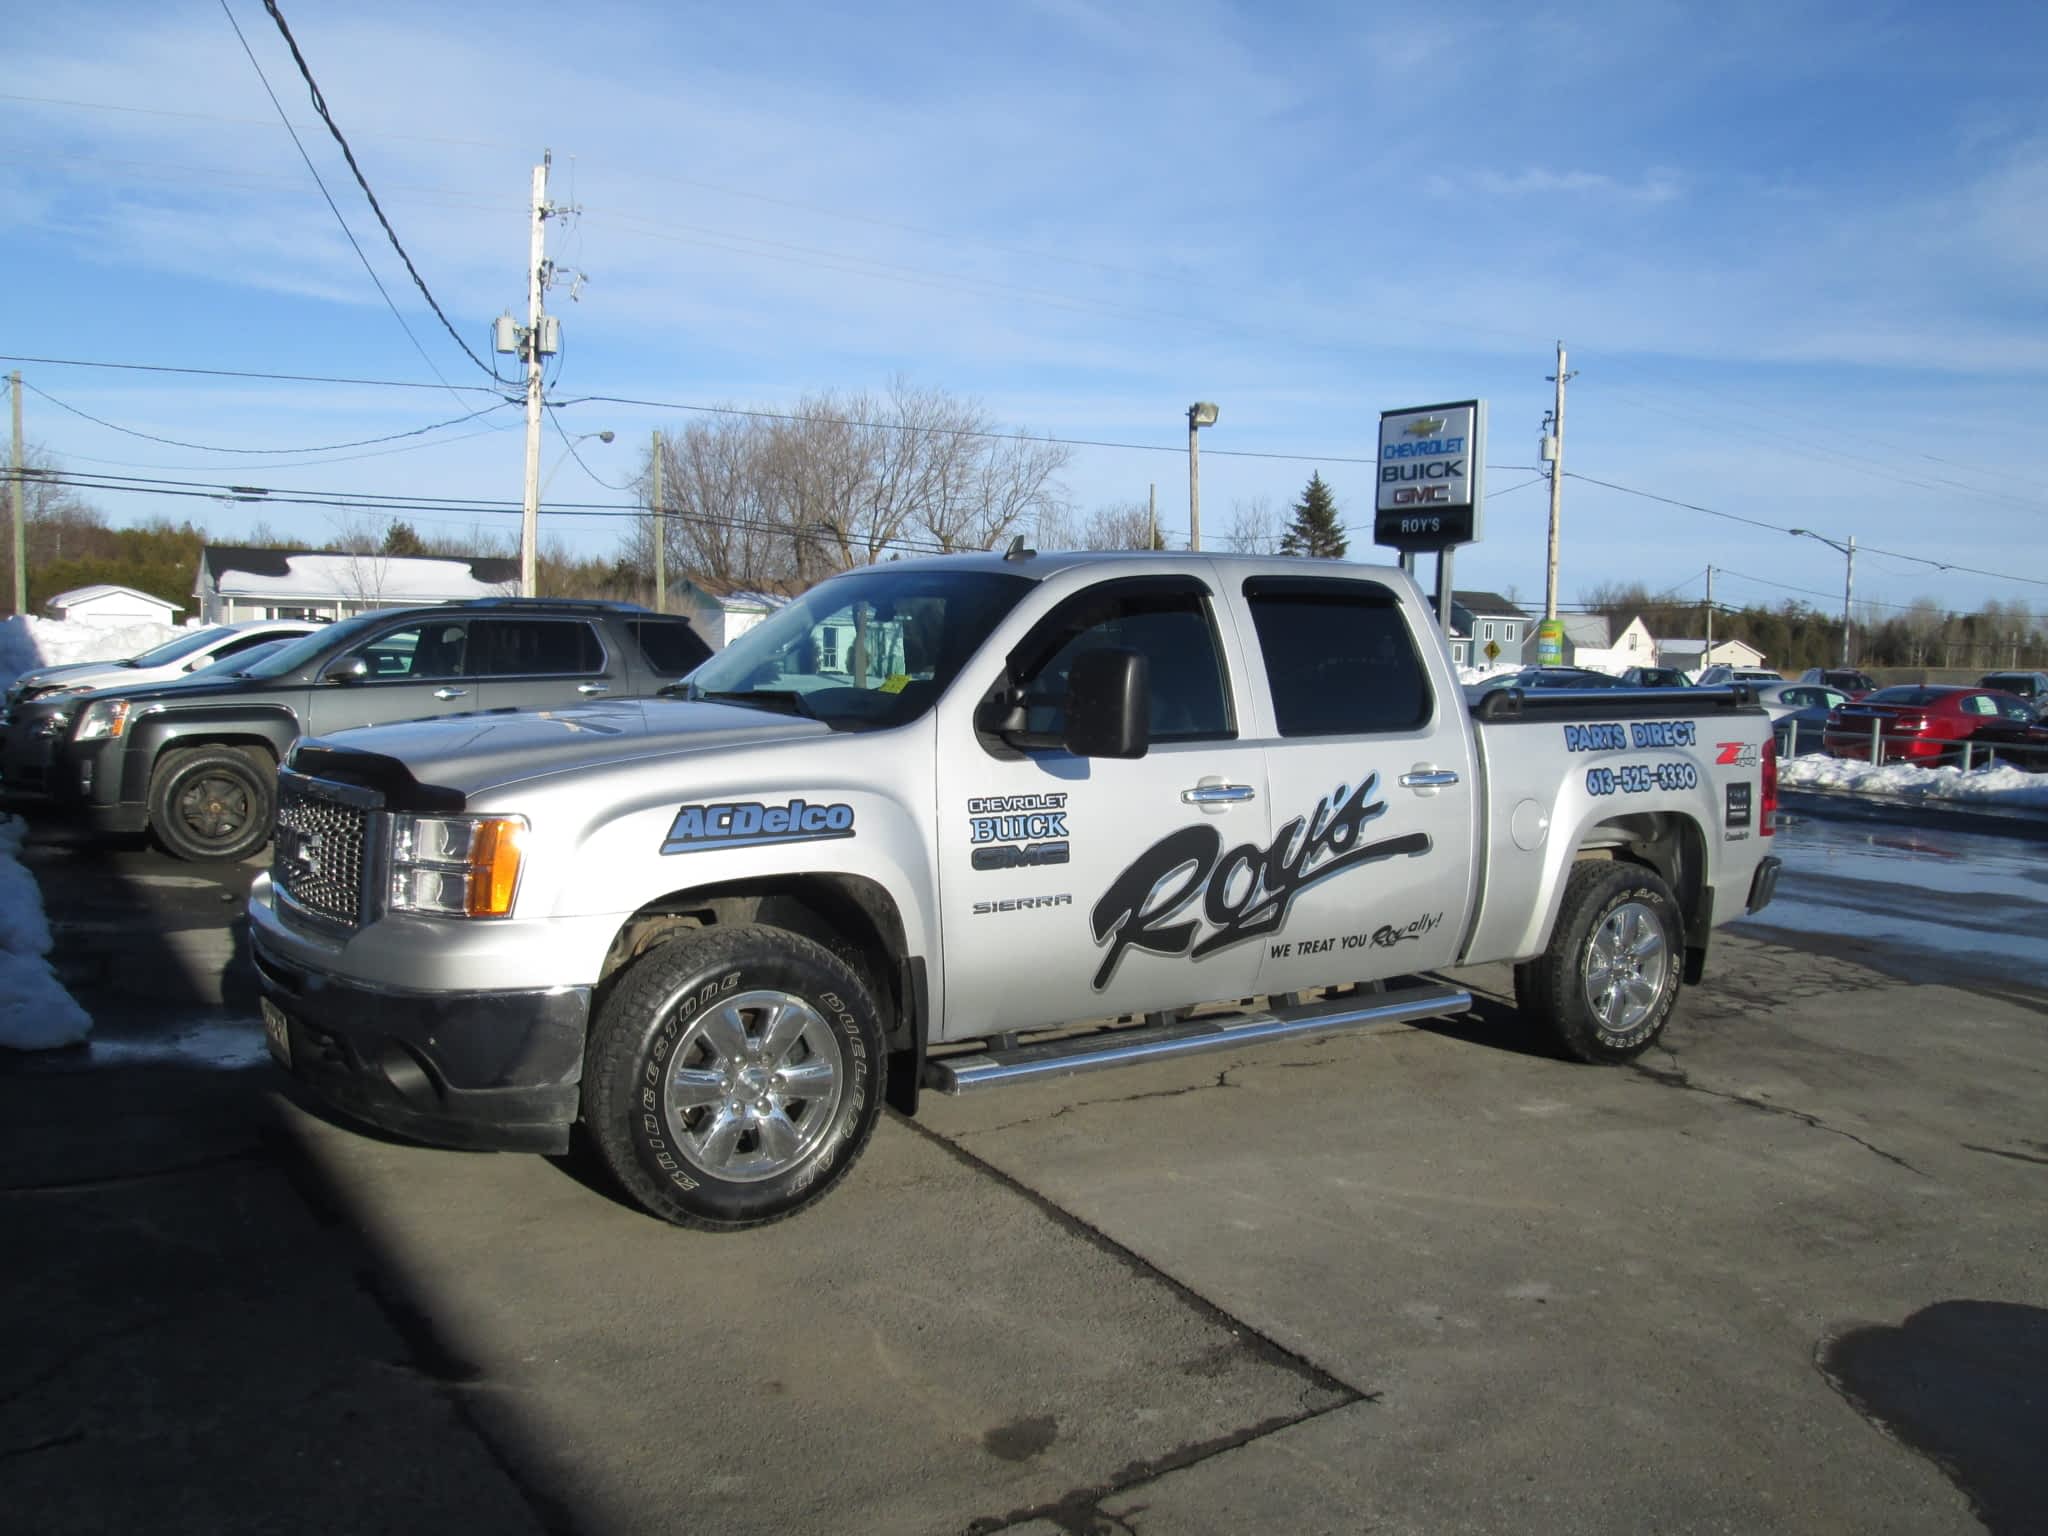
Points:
x=102 y=718
x=456 y=866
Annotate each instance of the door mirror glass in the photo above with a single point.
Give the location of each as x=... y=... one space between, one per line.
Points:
x=1108 y=704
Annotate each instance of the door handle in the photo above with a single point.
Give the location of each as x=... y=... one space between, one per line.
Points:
x=590 y=688
x=1217 y=794
x=1429 y=778
x=450 y=693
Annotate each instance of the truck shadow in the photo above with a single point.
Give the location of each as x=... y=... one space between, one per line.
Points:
x=1498 y=1027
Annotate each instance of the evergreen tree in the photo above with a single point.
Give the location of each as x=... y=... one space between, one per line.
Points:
x=1315 y=531
x=399 y=539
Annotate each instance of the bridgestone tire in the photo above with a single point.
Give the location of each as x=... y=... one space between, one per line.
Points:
x=212 y=804
x=700 y=1109
x=1607 y=984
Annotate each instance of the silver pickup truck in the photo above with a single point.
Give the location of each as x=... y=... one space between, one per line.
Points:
x=949 y=823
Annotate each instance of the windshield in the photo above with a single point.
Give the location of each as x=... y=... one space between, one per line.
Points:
x=863 y=651
x=171 y=650
x=312 y=646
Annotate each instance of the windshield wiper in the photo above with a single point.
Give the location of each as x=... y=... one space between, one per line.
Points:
x=784 y=701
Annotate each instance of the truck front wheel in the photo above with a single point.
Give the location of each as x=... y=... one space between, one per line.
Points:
x=733 y=1076
x=1607 y=983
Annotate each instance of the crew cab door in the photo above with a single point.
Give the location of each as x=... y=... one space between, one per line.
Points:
x=410 y=671
x=1076 y=888
x=1374 y=800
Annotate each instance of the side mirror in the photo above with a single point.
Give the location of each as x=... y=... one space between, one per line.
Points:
x=1109 y=704
x=199 y=661
x=350 y=669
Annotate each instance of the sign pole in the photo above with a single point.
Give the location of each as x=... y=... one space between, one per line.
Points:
x=1444 y=557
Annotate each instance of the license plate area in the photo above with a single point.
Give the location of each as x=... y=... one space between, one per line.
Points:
x=277 y=1033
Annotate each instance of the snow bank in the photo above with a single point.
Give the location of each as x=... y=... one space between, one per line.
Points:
x=2002 y=786
x=36 y=1013
x=27 y=642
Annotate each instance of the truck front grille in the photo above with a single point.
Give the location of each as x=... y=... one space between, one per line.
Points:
x=323 y=836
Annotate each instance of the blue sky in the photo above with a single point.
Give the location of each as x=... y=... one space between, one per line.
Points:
x=1798 y=252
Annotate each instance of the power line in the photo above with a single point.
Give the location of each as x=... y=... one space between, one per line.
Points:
x=246 y=373
x=324 y=193
x=327 y=117
x=364 y=442
x=1736 y=517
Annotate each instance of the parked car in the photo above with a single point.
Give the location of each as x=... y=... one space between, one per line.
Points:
x=178 y=656
x=721 y=929
x=195 y=761
x=1544 y=678
x=1930 y=723
x=2031 y=686
x=1720 y=675
x=1799 y=713
x=1655 y=677
x=1847 y=679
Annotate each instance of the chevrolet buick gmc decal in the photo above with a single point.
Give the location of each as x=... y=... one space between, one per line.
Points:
x=1245 y=893
x=1018 y=831
x=750 y=824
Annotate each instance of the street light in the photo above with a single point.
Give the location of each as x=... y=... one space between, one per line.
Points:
x=582 y=437
x=1201 y=414
x=1848 y=586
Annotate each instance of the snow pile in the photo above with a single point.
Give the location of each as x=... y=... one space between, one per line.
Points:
x=36 y=1013
x=28 y=642
x=2003 y=786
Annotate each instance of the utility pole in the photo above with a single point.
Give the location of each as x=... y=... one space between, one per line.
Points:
x=1556 y=488
x=660 y=535
x=1194 y=484
x=1152 y=512
x=20 y=517
x=1848 y=596
x=1706 y=656
x=529 y=522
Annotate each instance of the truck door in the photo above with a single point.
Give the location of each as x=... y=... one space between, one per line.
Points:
x=1079 y=888
x=1374 y=808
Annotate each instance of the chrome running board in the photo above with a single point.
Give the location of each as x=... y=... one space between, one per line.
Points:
x=1152 y=1042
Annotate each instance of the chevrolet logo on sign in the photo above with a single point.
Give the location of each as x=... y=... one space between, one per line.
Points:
x=1426 y=426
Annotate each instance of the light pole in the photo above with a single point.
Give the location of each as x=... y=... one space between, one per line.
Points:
x=582 y=437
x=1201 y=414
x=1848 y=585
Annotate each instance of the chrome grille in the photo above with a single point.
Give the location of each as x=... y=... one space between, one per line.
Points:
x=323 y=835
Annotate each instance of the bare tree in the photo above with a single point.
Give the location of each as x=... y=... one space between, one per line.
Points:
x=1254 y=529
x=1120 y=525
x=359 y=540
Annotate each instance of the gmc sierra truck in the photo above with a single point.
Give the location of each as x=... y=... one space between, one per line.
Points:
x=950 y=823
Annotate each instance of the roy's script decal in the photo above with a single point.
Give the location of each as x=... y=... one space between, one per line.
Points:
x=1244 y=893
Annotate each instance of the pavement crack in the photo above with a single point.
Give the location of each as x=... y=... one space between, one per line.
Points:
x=1681 y=1078
x=2018 y=1157
x=1222 y=1081
x=50 y=1444
x=140 y=1176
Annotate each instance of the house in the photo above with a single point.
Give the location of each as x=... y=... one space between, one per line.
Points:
x=1483 y=619
x=238 y=582
x=1585 y=640
x=105 y=607
x=1693 y=655
x=721 y=619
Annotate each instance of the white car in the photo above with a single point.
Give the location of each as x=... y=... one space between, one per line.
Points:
x=1721 y=675
x=182 y=654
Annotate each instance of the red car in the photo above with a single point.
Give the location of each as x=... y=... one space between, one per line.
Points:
x=1929 y=723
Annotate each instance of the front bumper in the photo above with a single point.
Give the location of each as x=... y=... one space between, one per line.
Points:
x=497 y=1071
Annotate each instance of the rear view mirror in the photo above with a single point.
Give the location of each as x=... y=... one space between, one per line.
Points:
x=1108 y=704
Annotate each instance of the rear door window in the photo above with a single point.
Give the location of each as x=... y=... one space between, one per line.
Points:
x=536 y=648
x=1339 y=657
x=669 y=646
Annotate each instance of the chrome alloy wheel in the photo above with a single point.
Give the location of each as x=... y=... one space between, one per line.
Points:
x=753 y=1086
x=1625 y=968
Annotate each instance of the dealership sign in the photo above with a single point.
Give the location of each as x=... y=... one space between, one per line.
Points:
x=1431 y=476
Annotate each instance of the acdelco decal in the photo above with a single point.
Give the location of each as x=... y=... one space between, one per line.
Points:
x=750 y=824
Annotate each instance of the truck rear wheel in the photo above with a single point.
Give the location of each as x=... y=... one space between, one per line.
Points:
x=212 y=803
x=1608 y=982
x=733 y=1076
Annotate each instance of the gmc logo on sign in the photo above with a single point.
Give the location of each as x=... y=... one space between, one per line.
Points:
x=1412 y=495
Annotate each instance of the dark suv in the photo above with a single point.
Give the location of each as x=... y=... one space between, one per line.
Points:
x=196 y=761
x=2031 y=686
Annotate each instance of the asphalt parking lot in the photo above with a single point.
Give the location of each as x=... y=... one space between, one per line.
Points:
x=1787 y=1272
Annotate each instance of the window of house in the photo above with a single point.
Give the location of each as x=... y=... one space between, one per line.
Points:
x=1488 y=632
x=1507 y=632
x=1339 y=657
